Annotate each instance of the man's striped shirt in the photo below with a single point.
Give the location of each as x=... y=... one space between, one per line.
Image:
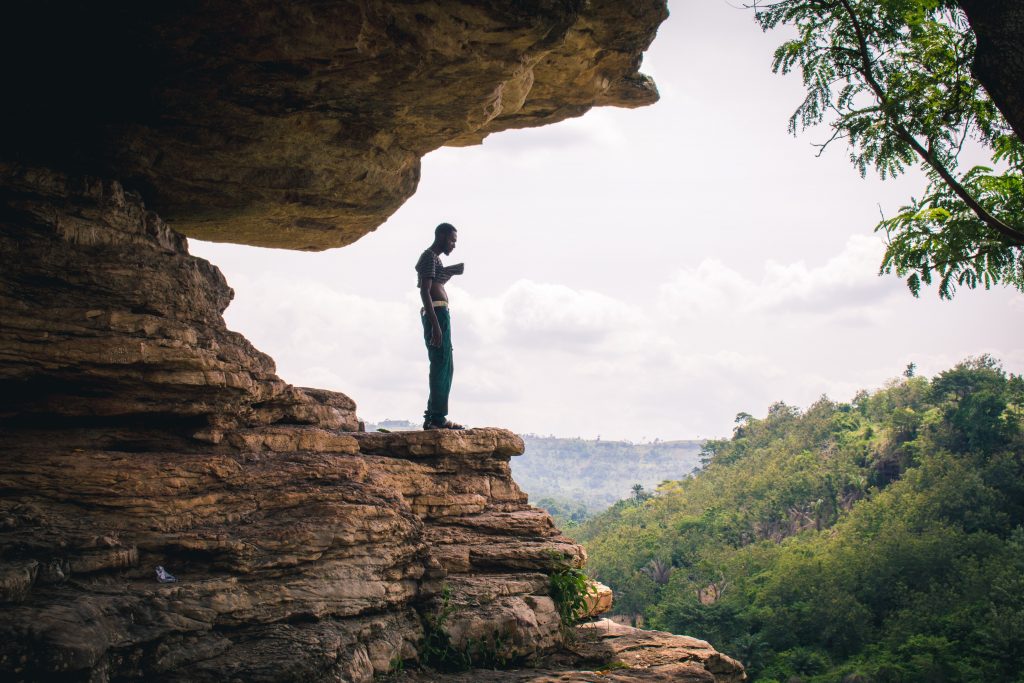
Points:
x=429 y=266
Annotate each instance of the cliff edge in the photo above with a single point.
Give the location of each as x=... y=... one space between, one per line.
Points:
x=171 y=509
x=138 y=432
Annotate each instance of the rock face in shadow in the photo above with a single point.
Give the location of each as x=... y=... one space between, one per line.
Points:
x=300 y=124
x=107 y=316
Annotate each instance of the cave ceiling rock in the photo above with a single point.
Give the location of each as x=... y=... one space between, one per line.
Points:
x=301 y=124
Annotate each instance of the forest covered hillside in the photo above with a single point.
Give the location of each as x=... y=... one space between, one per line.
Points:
x=574 y=479
x=880 y=540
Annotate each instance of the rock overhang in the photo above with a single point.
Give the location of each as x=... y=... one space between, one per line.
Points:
x=301 y=125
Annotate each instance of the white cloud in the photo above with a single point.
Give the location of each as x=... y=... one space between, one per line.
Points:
x=323 y=337
x=550 y=358
x=530 y=314
x=846 y=285
x=645 y=272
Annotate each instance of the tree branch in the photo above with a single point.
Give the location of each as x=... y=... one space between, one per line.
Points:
x=1010 y=234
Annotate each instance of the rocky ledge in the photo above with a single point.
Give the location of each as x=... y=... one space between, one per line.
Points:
x=306 y=558
x=137 y=432
x=327 y=556
x=602 y=651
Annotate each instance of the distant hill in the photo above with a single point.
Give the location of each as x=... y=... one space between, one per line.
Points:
x=569 y=473
x=574 y=479
x=393 y=426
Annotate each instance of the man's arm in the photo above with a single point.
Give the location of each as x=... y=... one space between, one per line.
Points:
x=428 y=307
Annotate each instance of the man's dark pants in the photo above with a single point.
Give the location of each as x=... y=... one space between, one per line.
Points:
x=442 y=366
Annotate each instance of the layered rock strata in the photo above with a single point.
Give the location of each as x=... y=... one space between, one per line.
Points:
x=300 y=124
x=104 y=315
x=137 y=432
x=304 y=562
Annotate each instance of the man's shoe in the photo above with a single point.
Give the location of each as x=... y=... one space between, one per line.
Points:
x=447 y=424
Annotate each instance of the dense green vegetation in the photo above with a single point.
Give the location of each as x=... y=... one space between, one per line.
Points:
x=576 y=478
x=876 y=541
x=893 y=79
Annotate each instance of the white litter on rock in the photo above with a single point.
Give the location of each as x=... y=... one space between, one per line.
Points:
x=164 y=576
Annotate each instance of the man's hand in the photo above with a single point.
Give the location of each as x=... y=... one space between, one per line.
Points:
x=428 y=309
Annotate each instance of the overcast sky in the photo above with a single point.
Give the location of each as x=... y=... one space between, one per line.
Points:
x=633 y=274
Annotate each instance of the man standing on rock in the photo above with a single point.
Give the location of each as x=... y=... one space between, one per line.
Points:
x=437 y=324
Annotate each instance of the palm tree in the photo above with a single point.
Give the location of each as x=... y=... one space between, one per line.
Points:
x=658 y=572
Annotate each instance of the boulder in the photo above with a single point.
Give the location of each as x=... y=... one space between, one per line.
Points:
x=604 y=651
x=599 y=600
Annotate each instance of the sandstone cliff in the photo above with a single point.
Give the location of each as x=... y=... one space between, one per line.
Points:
x=137 y=431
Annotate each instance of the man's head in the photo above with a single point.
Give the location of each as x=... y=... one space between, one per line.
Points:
x=445 y=236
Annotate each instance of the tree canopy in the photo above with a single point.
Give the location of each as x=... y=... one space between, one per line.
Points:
x=880 y=540
x=892 y=78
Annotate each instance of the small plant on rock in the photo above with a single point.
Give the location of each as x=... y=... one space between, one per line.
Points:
x=438 y=652
x=436 y=649
x=569 y=587
x=488 y=653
